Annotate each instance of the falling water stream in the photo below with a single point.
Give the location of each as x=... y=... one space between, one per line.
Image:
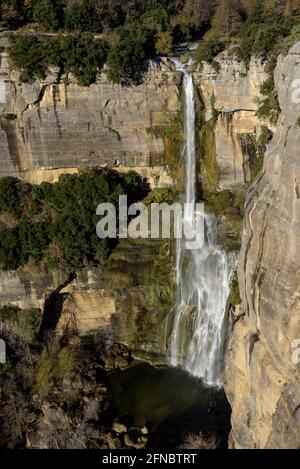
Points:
x=203 y=275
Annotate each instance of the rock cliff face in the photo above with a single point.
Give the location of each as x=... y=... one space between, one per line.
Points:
x=52 y=124
x=231 y=97
x=262 y=370
x=129 y=298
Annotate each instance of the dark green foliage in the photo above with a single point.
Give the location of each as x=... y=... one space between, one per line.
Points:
x=83 y=17
x=214 y=110
x=137 y=29
x=267 y=87
x=64 y=214
x=24 y=241
x=208 y=49
x=46 y=13
x=266 y=25
x=80 y=54
x=25 y=323
x=234 y=296
x=26 y=53
x=12 y=196
x=126 y=58
x=269 y=108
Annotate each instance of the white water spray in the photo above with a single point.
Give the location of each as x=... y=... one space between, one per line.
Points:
x=203 y=275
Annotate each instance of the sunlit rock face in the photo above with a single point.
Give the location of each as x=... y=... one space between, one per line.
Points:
x=262 y=373
x=233 y=91
x=54 y=123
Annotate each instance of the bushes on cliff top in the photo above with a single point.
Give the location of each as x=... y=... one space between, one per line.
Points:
x=59 y=220
x=125 y=59
x=269 y=108
x=83 y=55
x=208 y=49
x=47 y=13
x=266 y=24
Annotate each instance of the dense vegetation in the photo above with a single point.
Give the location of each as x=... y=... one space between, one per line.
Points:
x=57 y=374
x=57 y=222
x=80 y=54
x=132 y=31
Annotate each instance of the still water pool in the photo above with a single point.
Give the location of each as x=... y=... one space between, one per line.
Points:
x=170 y=402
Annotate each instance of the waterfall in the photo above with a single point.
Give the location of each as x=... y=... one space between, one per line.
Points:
x=202 y=275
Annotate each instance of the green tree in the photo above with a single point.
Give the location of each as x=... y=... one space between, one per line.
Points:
x=13 y=194
x=208 y=49
x=45 y=12
x=228 y=18
x=126 y=58
x=83 y=17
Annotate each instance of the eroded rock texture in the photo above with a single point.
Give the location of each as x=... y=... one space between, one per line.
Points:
x=262 y=371
x=52 y=124
x=231 y=97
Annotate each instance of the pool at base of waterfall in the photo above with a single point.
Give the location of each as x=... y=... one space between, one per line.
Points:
x=171 y=403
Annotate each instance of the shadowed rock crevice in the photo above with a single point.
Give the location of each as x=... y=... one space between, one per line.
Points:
x=53 y=308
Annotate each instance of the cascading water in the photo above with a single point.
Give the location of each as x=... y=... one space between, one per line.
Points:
x=203 y=275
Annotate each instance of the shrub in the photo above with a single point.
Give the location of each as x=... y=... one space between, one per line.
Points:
x=80 y=54
x=12 y=195
x=269 y=109
x=25 y=323
x=234 y=295
x=264 y=27
x=208 y=49
x=44 y=374
x=19 y=243
x=26 y=54
x=126 y=58
x=267 y=87
x=64 y=214
x=66 y=362
x=264 y=138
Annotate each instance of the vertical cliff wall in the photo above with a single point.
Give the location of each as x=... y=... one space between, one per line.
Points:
x=262 y=367
x=230 y=94
x=53 y=126
x=54 y=123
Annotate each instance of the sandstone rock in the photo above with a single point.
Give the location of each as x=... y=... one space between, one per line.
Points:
x=144 y=430
x=113 y=443
x=235 y=92
x=62 y=125
x=262 y=378
x=119 y=427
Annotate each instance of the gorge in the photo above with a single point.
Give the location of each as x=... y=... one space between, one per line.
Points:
x=203 y=273
x=53 y=126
